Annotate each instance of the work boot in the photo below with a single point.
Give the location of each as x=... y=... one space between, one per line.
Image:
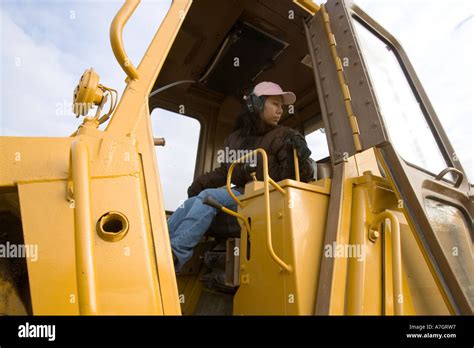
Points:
x=216 y=280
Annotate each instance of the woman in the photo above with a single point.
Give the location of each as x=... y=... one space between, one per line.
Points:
x=256 y=127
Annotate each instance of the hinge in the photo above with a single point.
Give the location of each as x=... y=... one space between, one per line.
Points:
x=342 y=82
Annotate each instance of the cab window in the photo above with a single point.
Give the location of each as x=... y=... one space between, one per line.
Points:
x=177 y=159
x=317 y=143
x=404 y=119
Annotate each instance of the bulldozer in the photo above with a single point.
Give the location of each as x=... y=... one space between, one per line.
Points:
x=383 y=228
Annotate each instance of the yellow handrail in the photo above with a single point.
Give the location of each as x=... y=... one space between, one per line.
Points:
x=266 y=182
x=116 y=29
x=84 y=234
x=297 y=165
x=396 y=257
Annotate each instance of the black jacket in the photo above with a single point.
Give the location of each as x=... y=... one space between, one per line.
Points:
x=272 y=139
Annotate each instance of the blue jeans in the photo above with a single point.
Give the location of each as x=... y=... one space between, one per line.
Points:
x=190 y=221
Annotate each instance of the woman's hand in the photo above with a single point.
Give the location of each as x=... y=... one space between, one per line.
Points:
x=297 y=141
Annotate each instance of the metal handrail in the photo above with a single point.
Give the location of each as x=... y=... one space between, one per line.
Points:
x=266 y=181
x=297 y=165
x=84 y=234
x=396 y=256
x=445 y=171
x=116 y=29
x=215 y=204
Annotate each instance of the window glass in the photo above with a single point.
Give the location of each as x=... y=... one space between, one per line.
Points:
x=403 y=117
x=318 y=144
x=177 y=159
x=452 y=232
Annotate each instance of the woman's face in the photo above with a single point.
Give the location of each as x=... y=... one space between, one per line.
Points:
x=273 y=109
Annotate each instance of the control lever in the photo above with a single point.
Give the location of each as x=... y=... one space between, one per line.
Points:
x=212 y=203
x=215 y=204
x=251 y=169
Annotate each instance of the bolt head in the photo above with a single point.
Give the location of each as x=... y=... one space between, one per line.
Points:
x=373 y=235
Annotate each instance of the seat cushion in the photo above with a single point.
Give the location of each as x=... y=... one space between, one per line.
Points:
x=224 y=226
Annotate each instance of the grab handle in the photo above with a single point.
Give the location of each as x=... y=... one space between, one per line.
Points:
x=116 y=29
x=445 y=171
x=267 y=181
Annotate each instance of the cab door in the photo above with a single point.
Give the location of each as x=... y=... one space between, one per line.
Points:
x=371 y=98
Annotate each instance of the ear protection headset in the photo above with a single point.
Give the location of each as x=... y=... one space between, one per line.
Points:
x=254 y=103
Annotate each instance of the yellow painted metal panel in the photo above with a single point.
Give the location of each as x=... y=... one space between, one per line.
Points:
x=298 y=219
x=48 y=223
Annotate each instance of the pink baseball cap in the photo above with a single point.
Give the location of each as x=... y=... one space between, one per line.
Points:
x=270 y=88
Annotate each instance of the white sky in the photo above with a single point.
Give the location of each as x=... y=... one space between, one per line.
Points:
x=45 y=47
